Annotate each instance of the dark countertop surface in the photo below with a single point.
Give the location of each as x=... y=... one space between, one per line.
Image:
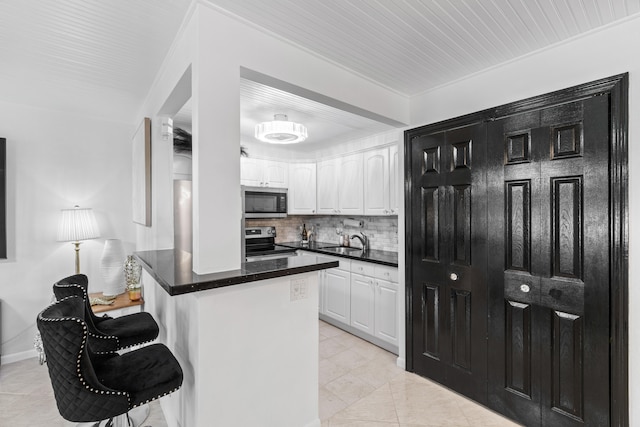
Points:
x=372 y=255
x=173 y=270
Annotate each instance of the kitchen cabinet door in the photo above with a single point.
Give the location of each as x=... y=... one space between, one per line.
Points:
x=376 y=182
x=386 y=311
x=263 y=173
x=276 y=174
x=395 y=180
x=351 y=185
x=302 y=189
x=338 y=295
x=327 y=195
x=362 y=303
x=251 y=172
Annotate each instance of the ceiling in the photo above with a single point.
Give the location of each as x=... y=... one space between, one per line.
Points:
x=412 y=46
x=100 y=57
x=326 y=125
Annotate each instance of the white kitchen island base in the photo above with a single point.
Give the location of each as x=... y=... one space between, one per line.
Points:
x=249 y=352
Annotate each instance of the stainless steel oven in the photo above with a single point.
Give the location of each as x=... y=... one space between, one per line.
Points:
x=260 y=244
x=264 y=202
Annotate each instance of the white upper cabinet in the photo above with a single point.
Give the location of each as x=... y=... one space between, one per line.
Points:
x=376 y=182
x=340 y=186
x=381 y=195
x=276 y=174
x=395 y=180
x=327 y=196
x=263 y=173
x=350 y=185
x=365 y=183
x=302 y=189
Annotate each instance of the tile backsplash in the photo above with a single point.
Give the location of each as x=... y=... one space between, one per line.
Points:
x=382 y=230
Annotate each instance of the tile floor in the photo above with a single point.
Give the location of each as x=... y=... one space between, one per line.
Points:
x=360 y=386
x=26 y=398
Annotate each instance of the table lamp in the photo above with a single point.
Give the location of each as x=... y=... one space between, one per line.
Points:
x=76 y=225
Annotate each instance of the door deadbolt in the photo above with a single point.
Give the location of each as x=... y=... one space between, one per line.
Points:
x=525 y=288
x=453 y=276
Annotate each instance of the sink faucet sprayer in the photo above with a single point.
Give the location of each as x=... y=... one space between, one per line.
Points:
x=363 y=239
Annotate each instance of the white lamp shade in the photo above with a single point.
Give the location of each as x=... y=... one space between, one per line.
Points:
x=77 y=224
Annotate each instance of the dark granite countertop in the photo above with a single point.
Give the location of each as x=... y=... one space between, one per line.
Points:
x=372 y=255
x=173 y=270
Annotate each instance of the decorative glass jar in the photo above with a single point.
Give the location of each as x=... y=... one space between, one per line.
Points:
x=132 y=275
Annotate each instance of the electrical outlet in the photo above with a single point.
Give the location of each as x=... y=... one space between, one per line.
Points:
x=299 y=289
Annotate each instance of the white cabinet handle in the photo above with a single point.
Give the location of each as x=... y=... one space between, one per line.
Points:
x=525 y=288
x=453 y=276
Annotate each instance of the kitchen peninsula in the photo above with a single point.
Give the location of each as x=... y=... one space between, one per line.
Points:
x=247 y=340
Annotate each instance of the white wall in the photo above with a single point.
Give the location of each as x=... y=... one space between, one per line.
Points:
x=56 y=160
x=603 y=53
x=217 y=46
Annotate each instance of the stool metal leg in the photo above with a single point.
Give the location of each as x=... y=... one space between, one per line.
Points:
x=138 y=415
x=134 y=418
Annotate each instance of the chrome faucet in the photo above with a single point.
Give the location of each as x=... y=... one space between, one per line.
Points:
x=363 y=239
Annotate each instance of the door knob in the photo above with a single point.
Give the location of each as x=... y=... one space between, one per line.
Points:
x=525 y=288
x=453 y=276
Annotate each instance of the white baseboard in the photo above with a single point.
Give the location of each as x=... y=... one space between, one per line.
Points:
x=314 y=423
x=16 y=357
x=401 y=362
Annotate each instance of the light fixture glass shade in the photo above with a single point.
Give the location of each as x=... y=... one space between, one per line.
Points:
x=77 y=224
x=281 y=131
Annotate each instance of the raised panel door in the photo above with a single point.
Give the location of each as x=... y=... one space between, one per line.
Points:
x=337 y=301
x=350 y=185
x=376 y=182
x=327 y=195
x=395 y=180
x=449 y=287
x=386 y=311
x=302 y=191
x=276 y=174
x=362 y=303
x=548 y=227
x=252 y=172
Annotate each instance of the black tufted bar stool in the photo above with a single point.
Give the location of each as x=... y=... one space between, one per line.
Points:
x=90 y=387
x=108 y=334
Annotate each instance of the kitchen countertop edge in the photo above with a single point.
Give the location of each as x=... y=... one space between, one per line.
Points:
x=173 y=271
x=373 y=256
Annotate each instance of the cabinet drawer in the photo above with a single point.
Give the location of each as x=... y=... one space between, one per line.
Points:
x=364 y=268
x=386 y=273
x=345 y=264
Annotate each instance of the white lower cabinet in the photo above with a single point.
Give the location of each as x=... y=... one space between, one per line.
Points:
x=362 y=298
x=362 y=303
x=374 y=300
x=335 y=291
x=386 y=311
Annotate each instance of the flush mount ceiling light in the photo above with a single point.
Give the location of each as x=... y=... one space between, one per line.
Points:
x=281 y=131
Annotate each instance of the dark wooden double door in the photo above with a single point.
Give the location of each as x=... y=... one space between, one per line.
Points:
x=509 y=260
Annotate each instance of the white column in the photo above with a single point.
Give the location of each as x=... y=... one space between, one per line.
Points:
x=216 y=156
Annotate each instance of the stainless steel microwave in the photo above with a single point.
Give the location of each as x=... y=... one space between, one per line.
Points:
x=264 y=202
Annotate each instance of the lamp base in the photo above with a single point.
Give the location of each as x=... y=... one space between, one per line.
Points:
x=77 y=244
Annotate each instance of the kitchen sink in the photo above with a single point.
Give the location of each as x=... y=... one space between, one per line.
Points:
x=343 y=250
